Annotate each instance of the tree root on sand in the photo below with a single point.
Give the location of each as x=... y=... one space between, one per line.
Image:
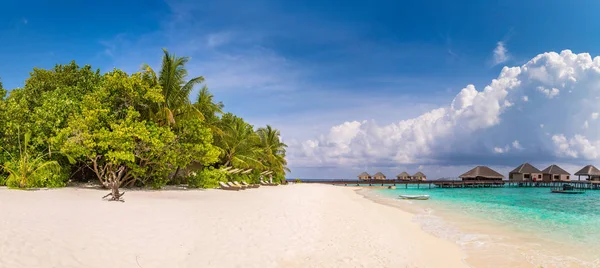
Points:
x=115 y=197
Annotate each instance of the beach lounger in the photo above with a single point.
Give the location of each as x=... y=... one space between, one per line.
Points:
x=224 y=186
x=235 y=186
x=267 y=183
x=240 y=185
x=250 y=185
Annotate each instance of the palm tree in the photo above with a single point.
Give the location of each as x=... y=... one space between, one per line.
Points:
x=272 y=150
x=175 y=89
x=210 y=110
x=238 y=143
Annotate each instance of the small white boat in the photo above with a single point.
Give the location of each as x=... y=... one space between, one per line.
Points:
x=415 y=197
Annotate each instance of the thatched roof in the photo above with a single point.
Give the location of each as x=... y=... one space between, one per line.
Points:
x=419 y=174
x=555 y=170
x=378 y=174
x=588 y=170
x=526 y=168
x=364 y=174
x=482 y=171
x=403 y=174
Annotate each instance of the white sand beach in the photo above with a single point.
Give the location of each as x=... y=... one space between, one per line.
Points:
x=285 y=226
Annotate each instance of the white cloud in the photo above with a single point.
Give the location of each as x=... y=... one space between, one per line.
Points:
x=525 y=98
x=517 y=145
x=577 y=147
x=500 y=53
x=550 y=93
x=502 y=150
x=595 y=116
x=474 y=119
x=499 y=150
x=586 y=124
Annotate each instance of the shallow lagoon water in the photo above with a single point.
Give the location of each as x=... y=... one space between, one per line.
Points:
x=532 y=224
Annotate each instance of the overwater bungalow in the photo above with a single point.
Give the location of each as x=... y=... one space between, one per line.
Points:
x=404 y=176
x=364 y=176
x=481 y=173
x=419 y=176
x=379 y=176
x=592 y=173
x=525 y=172
x=555 y=173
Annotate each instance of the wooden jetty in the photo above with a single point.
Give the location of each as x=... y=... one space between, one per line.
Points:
x=588 y=185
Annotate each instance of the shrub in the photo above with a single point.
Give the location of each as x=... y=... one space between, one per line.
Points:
x=158 y=182
x=35 y=174
x=207 y=178
x=298 y=180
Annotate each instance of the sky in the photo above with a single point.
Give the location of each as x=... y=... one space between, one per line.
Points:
x=391 y=86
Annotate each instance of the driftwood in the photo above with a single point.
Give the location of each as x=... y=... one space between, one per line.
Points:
x=111 y=177
x=116 y=197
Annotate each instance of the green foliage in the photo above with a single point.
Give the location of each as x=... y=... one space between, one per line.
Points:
x=27 y=170
x=297 y=180
x=137 y=128
x=195 y=144
x=111 y=133
x=207 y=178
x=2 y=92
x=273 y=151
x=239 y=144
x=175 y=90
x=44 y=104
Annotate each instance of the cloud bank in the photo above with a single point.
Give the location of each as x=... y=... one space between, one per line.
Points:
x=544 y=110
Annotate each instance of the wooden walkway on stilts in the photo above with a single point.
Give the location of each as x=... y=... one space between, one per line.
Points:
x=587 y=185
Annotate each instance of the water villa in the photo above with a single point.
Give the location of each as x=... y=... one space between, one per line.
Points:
x=525 y=172
x=364 y=176
x=480 y=173
x=379 y=176
x=592 y=173
x=419 y=176
x=480 y=176
x=555 y=173
x=404 y=176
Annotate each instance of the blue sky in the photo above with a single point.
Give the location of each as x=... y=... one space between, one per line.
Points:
x=308 y=66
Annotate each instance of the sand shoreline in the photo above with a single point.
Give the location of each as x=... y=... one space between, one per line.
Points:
x=283 y=226
x=487 y=243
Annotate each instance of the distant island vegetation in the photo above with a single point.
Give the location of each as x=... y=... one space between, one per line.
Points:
x=73 y=123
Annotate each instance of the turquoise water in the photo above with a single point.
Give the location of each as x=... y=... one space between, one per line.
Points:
x=570 y=219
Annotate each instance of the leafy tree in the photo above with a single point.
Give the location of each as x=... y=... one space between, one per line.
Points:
x=43 y=105
x=3 y=119
x=194 y=145
x=2 y=91
x=112 y=136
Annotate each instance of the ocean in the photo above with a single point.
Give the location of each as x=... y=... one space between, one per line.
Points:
x=509 y=227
